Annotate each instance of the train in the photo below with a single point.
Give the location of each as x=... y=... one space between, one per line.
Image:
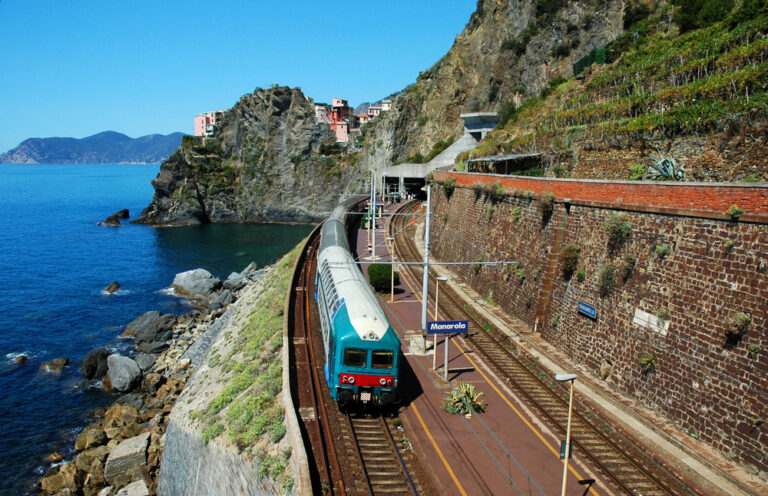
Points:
x=362 y=350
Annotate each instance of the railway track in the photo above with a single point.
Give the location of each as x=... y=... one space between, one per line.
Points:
x=349 y=453
x=627 y=466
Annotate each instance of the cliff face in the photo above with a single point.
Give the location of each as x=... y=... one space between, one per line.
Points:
x=108 y=147
x=509 y=49
x=265 y=163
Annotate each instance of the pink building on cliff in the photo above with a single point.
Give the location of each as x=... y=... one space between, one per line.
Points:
x=205 y=123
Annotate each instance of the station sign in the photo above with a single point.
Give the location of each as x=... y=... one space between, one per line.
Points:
x=447 y=326
x=587 y=310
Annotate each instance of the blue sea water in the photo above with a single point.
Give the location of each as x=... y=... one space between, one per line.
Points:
x=54 y=262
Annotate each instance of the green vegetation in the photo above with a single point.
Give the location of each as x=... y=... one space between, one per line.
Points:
x=248 y=407
x=735 y=212
x=685 y=84
x=449 y=185
x=569 y=259
x=380 y=276
x=737 y=324
x=662 y=250
x=647 y=362
x=636 y=172
x=617 y=227
x=606 y=279
x=464 y=400
x=516 y=214
x=581 y=274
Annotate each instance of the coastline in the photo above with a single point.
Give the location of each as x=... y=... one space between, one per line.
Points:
x=120 y=452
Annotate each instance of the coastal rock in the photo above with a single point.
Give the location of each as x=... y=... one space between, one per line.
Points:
x=53 y=458
x=107 y=491
x=112 y=287
x=95 y=364
x=149 y=326
x=90 y=437
x=222 y=298
x=63 y=478
x=154 y=347
x=55 y=366
x=124 y=374
x=133 y=399
x=21 y=359
x=138 y=488
x=234 y=281
x=197 y=283
x=125 y=456
x=145 y=361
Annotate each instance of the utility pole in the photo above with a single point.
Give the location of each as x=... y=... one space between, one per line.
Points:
x=425 y=281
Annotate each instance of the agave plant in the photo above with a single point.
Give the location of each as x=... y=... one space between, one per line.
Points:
x=464 y=399
x=665 y=168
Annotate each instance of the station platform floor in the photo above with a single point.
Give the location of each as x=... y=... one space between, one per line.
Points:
x=507 y=449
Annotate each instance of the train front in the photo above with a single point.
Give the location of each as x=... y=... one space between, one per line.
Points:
x=368 y=362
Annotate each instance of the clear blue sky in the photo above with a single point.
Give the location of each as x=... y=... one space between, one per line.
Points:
x=75 y=68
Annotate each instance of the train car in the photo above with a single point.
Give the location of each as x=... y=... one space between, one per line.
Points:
x=362 y=350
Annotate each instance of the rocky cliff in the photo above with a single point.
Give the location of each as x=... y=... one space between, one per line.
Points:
x=108 y=147
x=269 y=160
x=509 y=49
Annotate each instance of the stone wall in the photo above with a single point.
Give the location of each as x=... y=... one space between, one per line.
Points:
x=691 y=262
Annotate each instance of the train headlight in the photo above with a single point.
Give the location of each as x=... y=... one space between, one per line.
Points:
x=351 y=380
x=389 y=382
x=382 y=381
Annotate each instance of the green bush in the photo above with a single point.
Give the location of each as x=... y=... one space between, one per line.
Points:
x=735 y=212
x=636 y=172
x=617 y=227
x=662 y=250
x=737 y=324
x=569 y=259
x=464 y=399
x=647 y=362
x=380 y=276
x=449 y=185
x=695 y=14
x=628 y=262
x=606 y=279
x=581 y=274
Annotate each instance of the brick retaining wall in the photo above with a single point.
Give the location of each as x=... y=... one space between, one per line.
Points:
x=710 y=387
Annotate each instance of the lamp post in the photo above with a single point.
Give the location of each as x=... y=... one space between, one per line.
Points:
x=392 y=270
x=434 y=340
x=572 y=379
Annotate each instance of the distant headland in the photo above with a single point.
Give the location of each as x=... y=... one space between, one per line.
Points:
x=108 y=147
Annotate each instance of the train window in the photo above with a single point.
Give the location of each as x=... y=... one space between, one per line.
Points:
x=354 y=357
x=382 y=359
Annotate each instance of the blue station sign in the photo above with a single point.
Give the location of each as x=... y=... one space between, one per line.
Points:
x=447 y=326
x=587 y=310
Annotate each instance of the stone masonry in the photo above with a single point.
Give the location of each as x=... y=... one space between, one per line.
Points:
x=694 y=269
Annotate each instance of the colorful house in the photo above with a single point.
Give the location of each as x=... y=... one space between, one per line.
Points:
x=205 y=123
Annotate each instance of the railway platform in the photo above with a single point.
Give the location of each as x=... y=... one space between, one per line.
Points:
x=508 y=449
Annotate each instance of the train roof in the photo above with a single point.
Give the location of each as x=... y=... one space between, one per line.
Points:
x=364 y=310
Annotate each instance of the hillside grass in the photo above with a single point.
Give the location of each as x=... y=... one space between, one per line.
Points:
x=678 y=84
x=249 y=410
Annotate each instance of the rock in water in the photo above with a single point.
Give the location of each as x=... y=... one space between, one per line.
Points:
x=235 y=281
x=124 y=374
x=114 y=219
x=21 y=358
x=198 y=283
x=138 y=488
x=150 y=326
x=113 y=287
x=123 y=214
x=55 y=366
x=95 y=364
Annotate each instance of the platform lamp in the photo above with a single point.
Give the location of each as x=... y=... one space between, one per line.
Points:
x=434 y=339
x=390 y=240
x=572 y=379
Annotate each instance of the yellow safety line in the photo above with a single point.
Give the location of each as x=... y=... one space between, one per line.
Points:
x=439 y=453
x=503 y=397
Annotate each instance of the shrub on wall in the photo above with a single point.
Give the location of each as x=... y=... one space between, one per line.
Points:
x=516 y=213
x=647 y=362
x=606 y=279
x=547 y=205
x=380 y=276
x=569 y=259
x=449 y=185
x=617 y=227
x=662 y=250
x=735 y=212
x=737 y=325
x=581 y=274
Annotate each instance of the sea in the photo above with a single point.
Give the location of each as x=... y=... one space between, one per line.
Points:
x=55 y=261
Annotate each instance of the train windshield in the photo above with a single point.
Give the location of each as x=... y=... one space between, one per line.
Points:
x=382 y=359
x=354 y=357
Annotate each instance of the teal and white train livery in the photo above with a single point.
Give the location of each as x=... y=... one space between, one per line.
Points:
x=362 y=351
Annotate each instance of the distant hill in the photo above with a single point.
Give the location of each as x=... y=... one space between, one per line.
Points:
x=108 y=147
